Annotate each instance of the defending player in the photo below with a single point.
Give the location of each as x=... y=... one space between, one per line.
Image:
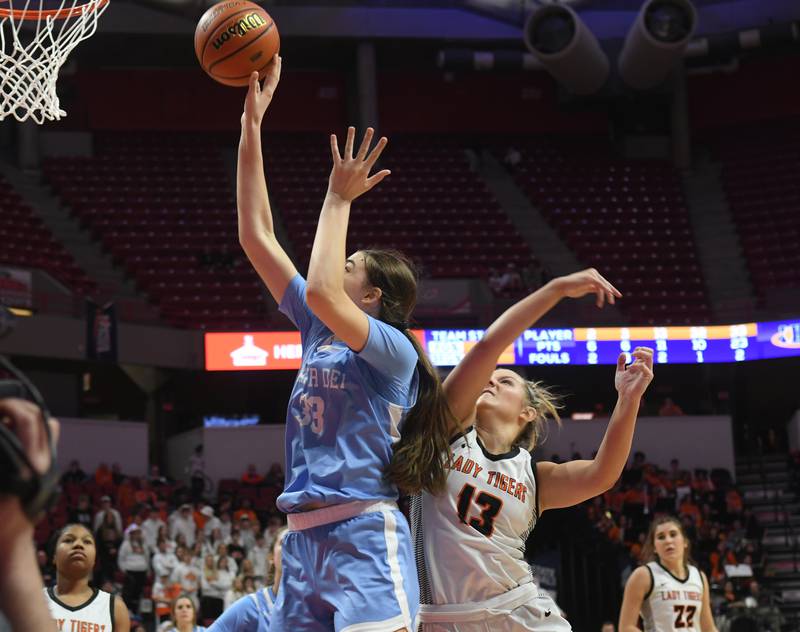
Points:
x=73 y=603
x=470 y=540
x=668 y=592
x=363 y=379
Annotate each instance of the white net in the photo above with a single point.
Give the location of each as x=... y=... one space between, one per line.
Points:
x=35 y=41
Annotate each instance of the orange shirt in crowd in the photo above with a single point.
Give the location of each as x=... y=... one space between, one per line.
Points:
x=718 y=563
x=103 y=476
x=252 y=478
x=199 y=519
x=733 y=501
x=688 y=508
x=635 y=497
x=245 y=512
x=126 y=498
x=165 y=597
x=145 y=497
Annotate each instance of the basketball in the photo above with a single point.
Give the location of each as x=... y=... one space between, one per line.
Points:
x=233 y=39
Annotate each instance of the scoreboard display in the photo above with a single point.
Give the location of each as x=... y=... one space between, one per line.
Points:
x=602 y=345
x=553 y=346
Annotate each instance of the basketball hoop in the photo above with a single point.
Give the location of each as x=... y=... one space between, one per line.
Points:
x=34 y=43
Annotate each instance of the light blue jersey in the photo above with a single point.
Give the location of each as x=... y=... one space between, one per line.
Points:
x=345 y=411
x=250 y=613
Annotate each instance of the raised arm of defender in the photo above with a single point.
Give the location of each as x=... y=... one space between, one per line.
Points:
x=465 y=383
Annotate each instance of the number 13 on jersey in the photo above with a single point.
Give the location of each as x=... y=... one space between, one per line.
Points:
x=488 y=508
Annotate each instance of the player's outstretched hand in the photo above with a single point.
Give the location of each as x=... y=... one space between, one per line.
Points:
x=588 y=281
x=350 y=175
x=259 y=95
x=633 y=380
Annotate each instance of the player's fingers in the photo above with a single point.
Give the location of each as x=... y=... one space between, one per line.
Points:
x=372 y=181
x=377 y=151
x=610 y=287
x=645 y=354
x=24 y=419
x=348 y=146
x=255 y=87
x=621 y=360
x=277 y=65
x=337 y=158
x=365 y=143
x=55 y=430
x=601 y=295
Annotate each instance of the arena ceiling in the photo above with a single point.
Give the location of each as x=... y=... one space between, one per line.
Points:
x=451 y=20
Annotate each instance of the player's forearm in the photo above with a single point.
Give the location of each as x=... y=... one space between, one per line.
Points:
x=516 y=319
x=252 y=199
x=326 y=267
x=21 y=597
x=616 y=445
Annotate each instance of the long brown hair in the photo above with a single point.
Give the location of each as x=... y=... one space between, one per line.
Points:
x=546 y=404
x=649 y=548
x=421 y=456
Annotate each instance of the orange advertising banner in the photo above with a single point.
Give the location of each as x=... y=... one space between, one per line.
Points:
x=253 y=351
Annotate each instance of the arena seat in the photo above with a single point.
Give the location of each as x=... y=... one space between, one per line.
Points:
x=38 y=248
x=432 y=207
x=760 y=176
x=626 y=218
x=162 y=206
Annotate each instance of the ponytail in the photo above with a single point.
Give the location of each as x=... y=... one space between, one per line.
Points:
x=422 y=456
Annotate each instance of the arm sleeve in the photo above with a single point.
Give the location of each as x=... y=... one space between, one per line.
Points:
x=293 y=304
x=389 y=352
x=241 y=615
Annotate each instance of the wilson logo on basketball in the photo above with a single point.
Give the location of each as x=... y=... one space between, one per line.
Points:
x=214 y=13
x=240 y=28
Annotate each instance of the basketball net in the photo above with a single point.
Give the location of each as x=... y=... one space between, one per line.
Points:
x=34 y=44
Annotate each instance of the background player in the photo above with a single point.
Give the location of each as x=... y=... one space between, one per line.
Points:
x=668 y=592
x=73 y=602
x=184 y=615
x=252 y=613
x=363 y=374
x=471 y=539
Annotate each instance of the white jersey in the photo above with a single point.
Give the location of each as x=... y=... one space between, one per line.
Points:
x=470 y=540
x=672 y=604
x=94 y=615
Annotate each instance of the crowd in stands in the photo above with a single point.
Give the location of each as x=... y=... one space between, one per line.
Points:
x=154 y=542
x=725 y=536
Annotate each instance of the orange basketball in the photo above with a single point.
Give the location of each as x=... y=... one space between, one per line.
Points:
x=234 y=38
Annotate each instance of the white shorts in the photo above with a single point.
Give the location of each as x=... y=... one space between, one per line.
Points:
x=519 y=610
